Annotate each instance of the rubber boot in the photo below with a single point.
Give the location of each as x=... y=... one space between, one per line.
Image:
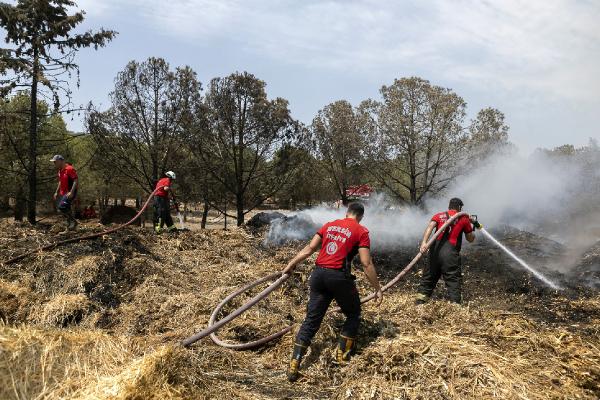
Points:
x=421 y=299
x=172 y=228
x=72 y=226
x=345 y=350
x=299 y=351
x=157 y=229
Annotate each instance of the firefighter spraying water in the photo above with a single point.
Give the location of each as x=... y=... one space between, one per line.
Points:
x=444 y=253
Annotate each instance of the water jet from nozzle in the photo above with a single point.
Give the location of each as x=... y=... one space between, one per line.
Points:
x=181 y=221
x=521 y=262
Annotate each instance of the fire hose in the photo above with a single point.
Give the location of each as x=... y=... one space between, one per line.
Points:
x=84 y=237
x=214 y=325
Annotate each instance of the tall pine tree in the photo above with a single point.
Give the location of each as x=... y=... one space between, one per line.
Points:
x=41 y=59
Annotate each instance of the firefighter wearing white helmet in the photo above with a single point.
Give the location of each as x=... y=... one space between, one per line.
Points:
x=162 y=208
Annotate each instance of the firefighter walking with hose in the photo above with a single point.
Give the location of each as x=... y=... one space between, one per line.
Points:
x=444 y=253
x=162 y=204
x=339 y=242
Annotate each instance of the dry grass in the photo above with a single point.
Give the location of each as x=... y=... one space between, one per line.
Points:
x=103 y=319
x=62 y=310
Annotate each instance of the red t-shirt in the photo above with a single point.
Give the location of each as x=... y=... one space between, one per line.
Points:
x=341 y=240
x=66 y=177
x=463 y=224
x=161 y=184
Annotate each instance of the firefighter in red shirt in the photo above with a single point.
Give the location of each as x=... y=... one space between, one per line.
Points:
x=340 y=241
x=66 y=191
x=444 y=253
x=162 y=204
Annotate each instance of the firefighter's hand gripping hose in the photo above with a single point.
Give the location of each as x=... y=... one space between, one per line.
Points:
x=214 y=326
x=84 y=237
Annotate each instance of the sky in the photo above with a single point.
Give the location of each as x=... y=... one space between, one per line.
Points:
x=537 y=61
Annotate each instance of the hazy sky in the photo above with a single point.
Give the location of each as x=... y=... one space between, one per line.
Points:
x=537 y=61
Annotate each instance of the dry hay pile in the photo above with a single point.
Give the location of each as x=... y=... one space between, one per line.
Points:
x=103 y=319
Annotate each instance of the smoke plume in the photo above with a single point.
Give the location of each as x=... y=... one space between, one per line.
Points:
x=556 y=197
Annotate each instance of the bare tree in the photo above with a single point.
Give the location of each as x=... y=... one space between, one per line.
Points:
x=415 y=138
x=151 y=106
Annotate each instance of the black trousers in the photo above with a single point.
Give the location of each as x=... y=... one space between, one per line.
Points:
x=162 y=211
x=325 y=286
x=444 y=261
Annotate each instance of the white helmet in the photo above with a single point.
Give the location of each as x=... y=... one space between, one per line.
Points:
x=170 y=174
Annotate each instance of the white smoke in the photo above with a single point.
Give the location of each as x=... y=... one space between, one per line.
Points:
x=540 y=194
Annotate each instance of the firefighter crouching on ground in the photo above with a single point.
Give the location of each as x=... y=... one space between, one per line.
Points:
x=162 y=205
x=340 y=241
x=444 y=253
x=66 y=191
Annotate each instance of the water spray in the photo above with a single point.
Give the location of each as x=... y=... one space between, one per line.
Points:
x=179 y=216
x=181 y=222
x=537 y=274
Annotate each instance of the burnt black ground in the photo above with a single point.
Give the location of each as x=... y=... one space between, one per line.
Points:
x=493 y=280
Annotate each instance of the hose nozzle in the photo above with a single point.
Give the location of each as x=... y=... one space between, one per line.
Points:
x=475 y=223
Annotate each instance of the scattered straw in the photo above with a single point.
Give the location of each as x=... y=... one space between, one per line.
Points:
x=103 y=320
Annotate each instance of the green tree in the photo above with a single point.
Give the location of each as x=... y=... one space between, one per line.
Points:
x=42 y=58
x=488 y=134
x=415 y=138
x=308 y=183
x=100 y=182
x=339 y=145
x=52 y=138
x=237 y=141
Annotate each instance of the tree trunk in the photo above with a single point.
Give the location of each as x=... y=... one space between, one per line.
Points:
x=204 y=215
x=32 y=173
x=413 y=189
x=344 y=197
x=5 y=202
x=20 y=204
x=225 y=216
x=123 y=201
x=239 y=205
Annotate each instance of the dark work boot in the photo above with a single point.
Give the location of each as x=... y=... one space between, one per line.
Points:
x=299 y=351
x=344 y=350
x=172 y=228
x=421 y=299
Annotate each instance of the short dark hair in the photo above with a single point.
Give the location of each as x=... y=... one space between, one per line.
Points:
x=455 y=204
x=357 y=209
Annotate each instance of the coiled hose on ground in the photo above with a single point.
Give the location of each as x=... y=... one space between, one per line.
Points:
x=214 y=325
x=84 y=237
